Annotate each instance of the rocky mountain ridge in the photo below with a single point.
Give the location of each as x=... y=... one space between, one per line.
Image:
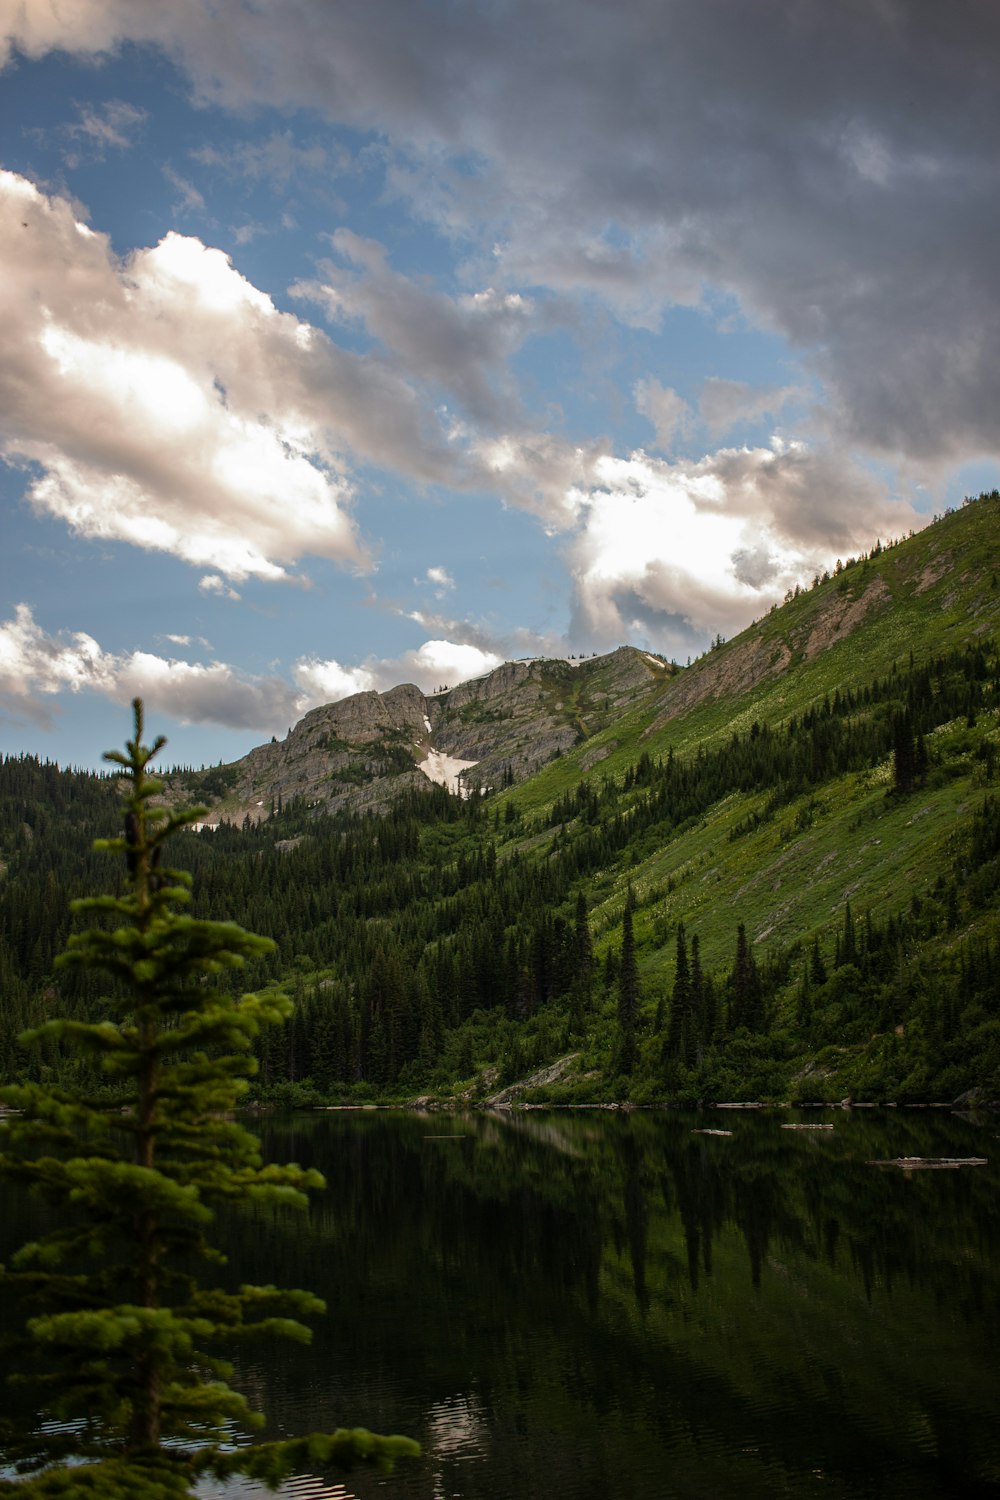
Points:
x=502 y=728
x=362 y=751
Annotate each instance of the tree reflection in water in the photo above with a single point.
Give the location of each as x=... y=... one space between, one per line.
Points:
x=583 y=1304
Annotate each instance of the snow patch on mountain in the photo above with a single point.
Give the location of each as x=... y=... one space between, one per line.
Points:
x=446 y=770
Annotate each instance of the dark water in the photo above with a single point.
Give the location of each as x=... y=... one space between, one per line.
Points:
x=583 y=1305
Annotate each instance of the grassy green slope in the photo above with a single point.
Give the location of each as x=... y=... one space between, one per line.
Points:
x=789 y=879
x=931 y=592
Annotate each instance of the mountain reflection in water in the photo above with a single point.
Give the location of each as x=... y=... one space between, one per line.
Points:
x=579 y=1304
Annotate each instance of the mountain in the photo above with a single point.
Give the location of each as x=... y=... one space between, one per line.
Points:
x=773 y=873
x=364 y=751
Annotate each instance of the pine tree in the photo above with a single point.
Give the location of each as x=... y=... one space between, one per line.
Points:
x=702 y=1000
x=747 y=1005
x=628 y=991
x=679 y=1029
x=904 y=753
x=847 y=942
x=134 y=1404
x=581 y=992
x=804 y=1005
x=817 y=968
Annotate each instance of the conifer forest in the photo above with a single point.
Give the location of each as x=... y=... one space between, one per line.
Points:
x=774 y=878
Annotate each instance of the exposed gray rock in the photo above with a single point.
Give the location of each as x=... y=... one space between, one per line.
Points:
x=363 y=751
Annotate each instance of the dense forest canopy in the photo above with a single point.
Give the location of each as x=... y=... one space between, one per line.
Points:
x=794 y=904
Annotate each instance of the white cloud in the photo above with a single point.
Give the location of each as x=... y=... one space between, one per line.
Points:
x=434 y=664
x=537 y=472
x=169 y=404
x=442 y=581
x=166 y=400
x=196 y=694
x=213 y=584
x=87 y=27
x=672 y=552
x=440 y=663
x=33 y=664
x=36 y=667
x=326 y=681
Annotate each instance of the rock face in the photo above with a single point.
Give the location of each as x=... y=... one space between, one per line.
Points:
x=364 y=750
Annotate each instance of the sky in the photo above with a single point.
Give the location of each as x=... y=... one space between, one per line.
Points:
x=381 y=341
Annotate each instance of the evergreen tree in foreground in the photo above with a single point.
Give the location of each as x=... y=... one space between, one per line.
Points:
x=123 y=1333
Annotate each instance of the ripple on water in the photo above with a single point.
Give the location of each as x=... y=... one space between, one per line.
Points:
x=296 y=1487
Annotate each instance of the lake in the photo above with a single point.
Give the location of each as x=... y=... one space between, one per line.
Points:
x=584 y=1305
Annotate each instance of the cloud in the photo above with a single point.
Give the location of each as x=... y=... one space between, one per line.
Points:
x=725 y=403
x=213 y=584
x=443 y=663
x=435 y=664
x=88 y=27
x=36 y=667
x=196 y=694
x=460 y=344
x=277 y=159
x=32 y=663
x=187 y=640
x=442 y=581
x=669 y=413
x=537 y=472
x=167 y=402
x=190 y=199
x=670 y=553
x=112 y=125
x=326 y=681
x=810 y=163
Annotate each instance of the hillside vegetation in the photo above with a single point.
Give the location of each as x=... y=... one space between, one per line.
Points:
x=771 y=874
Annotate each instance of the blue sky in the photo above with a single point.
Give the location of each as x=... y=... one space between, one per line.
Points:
x=354 y=344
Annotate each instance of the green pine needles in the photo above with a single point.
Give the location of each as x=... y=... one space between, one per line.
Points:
x=125 y=1323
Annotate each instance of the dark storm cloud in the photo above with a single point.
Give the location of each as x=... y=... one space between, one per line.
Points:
x=833 y=166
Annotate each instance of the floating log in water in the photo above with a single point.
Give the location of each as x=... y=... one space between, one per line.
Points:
x=929 y=1163
x=807 y=1127
x=711 y=1132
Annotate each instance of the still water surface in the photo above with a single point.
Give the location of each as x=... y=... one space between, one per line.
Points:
x=576 y=1305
